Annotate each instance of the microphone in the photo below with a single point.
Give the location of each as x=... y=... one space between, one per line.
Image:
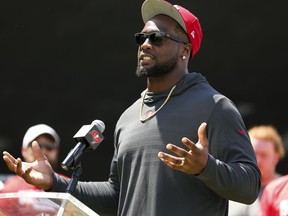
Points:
x=88 y=138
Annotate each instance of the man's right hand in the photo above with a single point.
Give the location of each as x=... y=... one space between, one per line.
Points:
x=38 y=173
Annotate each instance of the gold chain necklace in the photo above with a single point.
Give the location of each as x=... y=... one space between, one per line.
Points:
x=149 y=116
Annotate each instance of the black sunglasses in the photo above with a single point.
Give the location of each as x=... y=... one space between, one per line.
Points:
x=156 y=38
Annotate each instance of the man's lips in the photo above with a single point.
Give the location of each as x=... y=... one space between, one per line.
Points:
x=144 y=59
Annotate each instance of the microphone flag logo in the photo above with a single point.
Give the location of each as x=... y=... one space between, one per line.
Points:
x=95 y=136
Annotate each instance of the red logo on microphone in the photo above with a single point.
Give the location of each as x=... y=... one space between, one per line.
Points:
x=95 y=136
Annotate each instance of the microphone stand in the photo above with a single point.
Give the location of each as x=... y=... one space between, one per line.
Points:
x=71 y=187
x=74 y=180
x=88 y=134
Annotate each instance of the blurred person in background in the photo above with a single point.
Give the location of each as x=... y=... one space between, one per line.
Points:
x=269 y=149
x=274 y=201
x=49 y=142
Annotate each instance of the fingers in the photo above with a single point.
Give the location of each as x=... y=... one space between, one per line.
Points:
x=202 y=140
x=202 y=134
x=10 y=161
x=193 y=147
x=26 y=174
x=191 y=160
x=190 y=145
x=37 y=151
x=19 y=167
x=170 y=160
x=8 y=156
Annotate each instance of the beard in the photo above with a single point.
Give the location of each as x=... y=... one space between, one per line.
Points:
x=158 y=69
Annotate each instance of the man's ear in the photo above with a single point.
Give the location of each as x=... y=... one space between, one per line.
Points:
x=187 y=50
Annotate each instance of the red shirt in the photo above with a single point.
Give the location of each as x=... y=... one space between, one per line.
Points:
x=27 y=206
x=16 y=183
x=274 y=201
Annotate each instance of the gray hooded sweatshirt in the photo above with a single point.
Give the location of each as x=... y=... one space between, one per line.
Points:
x=140 y=184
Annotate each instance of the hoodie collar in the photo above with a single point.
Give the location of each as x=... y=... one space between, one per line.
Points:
x=186 y=82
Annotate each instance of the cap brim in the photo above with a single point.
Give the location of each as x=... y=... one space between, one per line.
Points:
x=33 y=132
x=151 y=8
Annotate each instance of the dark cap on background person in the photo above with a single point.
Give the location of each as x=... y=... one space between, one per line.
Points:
x=37 y=130
x=188 y=21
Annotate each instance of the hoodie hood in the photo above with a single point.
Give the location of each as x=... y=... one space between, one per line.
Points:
x=188 y=81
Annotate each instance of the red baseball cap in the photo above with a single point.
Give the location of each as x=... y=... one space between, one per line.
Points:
x=188 y=21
